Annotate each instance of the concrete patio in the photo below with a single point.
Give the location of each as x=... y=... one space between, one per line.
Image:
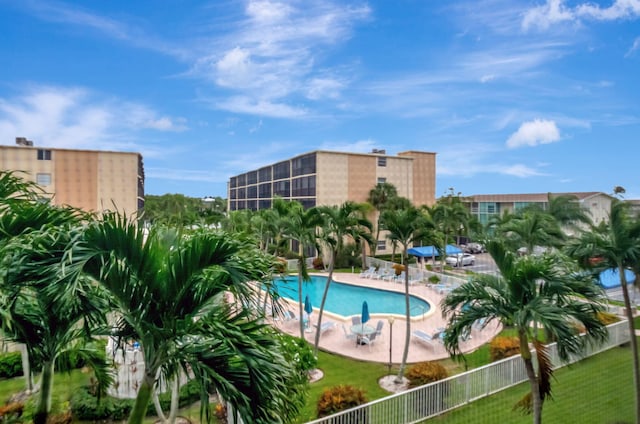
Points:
x=334 y=340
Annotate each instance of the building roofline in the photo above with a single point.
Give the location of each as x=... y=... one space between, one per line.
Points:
x=68 y=150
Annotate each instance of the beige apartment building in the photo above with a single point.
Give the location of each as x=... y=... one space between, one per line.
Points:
x=87 y=179
x=332 y=178
x=486 y=206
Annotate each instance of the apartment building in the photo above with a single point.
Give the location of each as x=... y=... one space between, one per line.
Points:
x=332 y=178
x=87 y=179
x=486 y=206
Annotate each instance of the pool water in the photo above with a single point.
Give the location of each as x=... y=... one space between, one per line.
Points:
x=346 y=299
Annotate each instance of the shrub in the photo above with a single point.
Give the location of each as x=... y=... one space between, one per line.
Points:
x=503 y=347
x=339 y=398
x=10 y=365
x=11 y=411
x=434 y=279
x=318 y=263
x=297 y=351
x=424 y=373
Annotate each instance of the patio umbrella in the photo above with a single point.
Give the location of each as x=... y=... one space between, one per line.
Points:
x=308 y=309
x=365 y=312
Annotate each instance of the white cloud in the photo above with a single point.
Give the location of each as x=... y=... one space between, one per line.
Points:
x=534 y=132
x=520 y=171
x=634 y=47
x=267 y=11
x=555 y=12
x=71 y=117
x=360 y=146
x=319 y=88
x=248 y=105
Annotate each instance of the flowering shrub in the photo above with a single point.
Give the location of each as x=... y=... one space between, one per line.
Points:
x=339 y=398
x=503 y=347
x=424 y=373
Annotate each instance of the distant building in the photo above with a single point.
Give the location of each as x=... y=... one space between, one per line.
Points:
x=332 y=178
x=87 y=179
x=486 y=206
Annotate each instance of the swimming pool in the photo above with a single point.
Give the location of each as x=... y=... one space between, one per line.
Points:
x=346 y=299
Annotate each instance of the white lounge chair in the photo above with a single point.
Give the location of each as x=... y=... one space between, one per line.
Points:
x=425 y=338
x=368 y=340
x=368 y=273
x=327 y=325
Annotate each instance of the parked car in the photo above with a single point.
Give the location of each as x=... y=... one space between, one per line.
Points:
x=461 y=259
x=474 y=248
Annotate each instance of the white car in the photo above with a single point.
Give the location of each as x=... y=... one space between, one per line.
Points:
x=461 y=259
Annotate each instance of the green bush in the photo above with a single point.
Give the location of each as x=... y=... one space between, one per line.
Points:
x=434 y=279
x=424 y=373
x=297 y=351
x=318 y=264
x=10 y=365
x=339 y=398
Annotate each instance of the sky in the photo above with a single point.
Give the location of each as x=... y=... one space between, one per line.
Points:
x=513 y=96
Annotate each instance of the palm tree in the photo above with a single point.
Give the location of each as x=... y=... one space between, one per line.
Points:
x=530 y=290
x=614 y=244
x=405 y=226
x=169 y=291
x=379 y=196
x=530 y=229
x=339 y=223
x=54 y=321
x=299 y=226
x=450 y=218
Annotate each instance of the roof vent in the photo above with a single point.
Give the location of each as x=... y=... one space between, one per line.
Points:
x=379 y=151
x=22 y=141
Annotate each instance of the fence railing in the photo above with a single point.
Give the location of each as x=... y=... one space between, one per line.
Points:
x=416 y=405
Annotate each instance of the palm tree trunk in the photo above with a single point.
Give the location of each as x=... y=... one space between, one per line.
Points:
x=145 y=391
x=300 y=307
x=633 y=339
x=407 y=339
x=46 y=385
x=175 y=399
x=322 y=302
x=26 y=367
x=525 y=353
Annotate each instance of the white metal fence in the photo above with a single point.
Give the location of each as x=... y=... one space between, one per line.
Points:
x=416 y=405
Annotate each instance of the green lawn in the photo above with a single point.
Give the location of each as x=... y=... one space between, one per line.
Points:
x=596 y=390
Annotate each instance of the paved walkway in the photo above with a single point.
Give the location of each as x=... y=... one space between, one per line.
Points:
x=334 y=340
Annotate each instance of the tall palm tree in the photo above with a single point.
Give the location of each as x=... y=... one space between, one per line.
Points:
x=450 y=218
x=339 y=224
x=405 y=226
x=379 y=196
x=53 y=321
x=299 y=226
x=530 y=290
x=169 y=291
x=614 y=244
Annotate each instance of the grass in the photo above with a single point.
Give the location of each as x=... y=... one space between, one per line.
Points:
x=596 y=390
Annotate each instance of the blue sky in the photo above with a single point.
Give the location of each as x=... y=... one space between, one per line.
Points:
x=513 y=96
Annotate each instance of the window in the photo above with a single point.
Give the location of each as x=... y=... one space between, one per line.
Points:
x=281 y=170
x=242 y=180
x=305 y=186
x=264 y=204
x=233 y=182
x=281 y=188
x=382 y=180
x=43 y=179
x=264 y=174
x=382 y=245
x=382 y=161
x=303 y=165
x=44 y=154
x=264 y=191
x=252 y=177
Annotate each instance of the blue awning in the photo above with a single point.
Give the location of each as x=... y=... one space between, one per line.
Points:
x=430 y=251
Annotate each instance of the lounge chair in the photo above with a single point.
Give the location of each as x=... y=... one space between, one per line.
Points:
x=368 y=273
x=425 y=338
x=289 y=315
x=327 y=325
x=381 y=274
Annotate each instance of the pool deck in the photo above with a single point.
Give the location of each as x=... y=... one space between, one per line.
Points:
x=334 y=340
